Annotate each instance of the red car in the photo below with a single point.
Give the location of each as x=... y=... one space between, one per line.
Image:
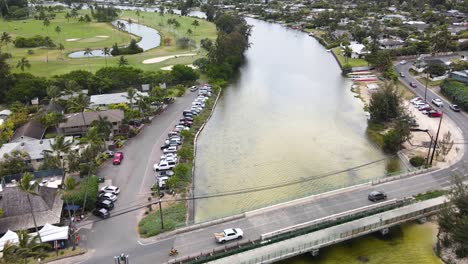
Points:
x=434 y=114
x=118 y=157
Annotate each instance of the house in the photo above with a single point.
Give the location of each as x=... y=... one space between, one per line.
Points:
x=337 y=34
x=104 y=100
x=393 y=17
x=391 y=43
x=34 y=147
x=358 y=50
x=47 y=206
x=418 y=25
x=461 y=76
x=75 y=122
x=32 y=130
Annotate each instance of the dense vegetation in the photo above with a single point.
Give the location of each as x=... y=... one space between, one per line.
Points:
x=457 y=92
x=104 y=14
x=77 y=196
x=132 y=48
x=32 y=42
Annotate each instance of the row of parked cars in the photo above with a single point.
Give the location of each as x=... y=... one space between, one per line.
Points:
x=171 y=145
x=425 y=108
x=106 y=199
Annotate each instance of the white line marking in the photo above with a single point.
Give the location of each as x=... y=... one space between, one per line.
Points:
x=454 y=169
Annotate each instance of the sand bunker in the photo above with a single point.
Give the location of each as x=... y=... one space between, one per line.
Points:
x=102 y=36
x=159 y=59
x=168 y=68
x=72 y=39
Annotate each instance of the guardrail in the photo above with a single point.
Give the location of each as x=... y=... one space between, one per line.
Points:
x=402 y=176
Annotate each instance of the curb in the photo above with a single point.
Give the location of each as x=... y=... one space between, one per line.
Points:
x=403 y=176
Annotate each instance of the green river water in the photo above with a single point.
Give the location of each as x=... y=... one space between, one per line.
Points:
x=407 y=244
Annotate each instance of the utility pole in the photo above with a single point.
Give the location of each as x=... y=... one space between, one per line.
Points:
x=437 y=136
x=160 y=206
x=429 y=150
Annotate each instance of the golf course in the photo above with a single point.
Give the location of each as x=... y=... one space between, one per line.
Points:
x=78 y=36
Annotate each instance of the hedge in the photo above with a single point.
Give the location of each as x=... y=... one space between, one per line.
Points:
x=457 y=92
x=76 y=197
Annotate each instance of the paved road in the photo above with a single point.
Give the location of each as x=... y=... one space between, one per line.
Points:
x=134 y=177
x=116 y=235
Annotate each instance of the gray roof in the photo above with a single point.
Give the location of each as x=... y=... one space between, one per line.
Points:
x=17 y=215
x=34 y=148
x=113 y=98
x=31 y=130
x=461 y=73
x=5 y=112
x=76 y=119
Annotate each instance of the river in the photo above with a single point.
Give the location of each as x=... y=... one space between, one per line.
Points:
x=290 y=117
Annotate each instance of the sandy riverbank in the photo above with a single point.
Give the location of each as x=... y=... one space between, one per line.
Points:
x=161 y=59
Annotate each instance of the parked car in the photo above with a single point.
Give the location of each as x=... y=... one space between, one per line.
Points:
x=171 y=149
x=413 y=84
x=455 y=107
x=438 y=102
x=107 y=204
x=182 y=127
x=110 y=189
x=425 y=108
x=109 y=153
x=101 y=212
x=101 y=179
x=118 y=157
x=376 y=196
x=416 y=99
x=163 y=165
x=402 y=74
x=165 y=173
x=403 y=62
x=434 y=114
x=229 y=234
x=108 y=196
x=193 y=88
x=165 y=145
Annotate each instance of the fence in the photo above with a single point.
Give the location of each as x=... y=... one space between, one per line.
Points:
x=402 y=176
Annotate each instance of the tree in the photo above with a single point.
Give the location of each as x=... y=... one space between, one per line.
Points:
x=436 y=69
x=394 y=138
x=347 y=53
x=106 y=52
x=88 y=53
x=58 y=29
x=61 y=146
x=183 y=74
x=385 y=104
x=122 y=61
x=23 y=63
x=453 y=220
x=14 y=163
x=27 y=247
x=103 y=127
x=189 y=31
x=5 y=38
x=446 y=144
x=131 y=95
x=79 y=104
x=29 y=186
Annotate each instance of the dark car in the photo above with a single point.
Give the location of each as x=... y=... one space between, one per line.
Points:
x=455 y=108
x=165 y=145
x=101 y=212
x=376 y=196
x=106 y=204
x=101 y=179
x=413 y=84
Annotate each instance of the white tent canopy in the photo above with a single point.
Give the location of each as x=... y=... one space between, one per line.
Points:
x=51 y=233
x=10 y=236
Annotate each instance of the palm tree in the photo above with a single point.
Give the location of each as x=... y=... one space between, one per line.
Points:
x=46 y=24
x=138 y=15
x=58 y=30
x=123 y=61
x=195 y=23
x=142 y=104
x=87 y=53
x=347 y=53
x=103 y=127
x=26 y=247
x=61 y=146
x=69 y=186
x=23 y=63
x=5 y=38
x=28 y=185
x=79 y=104
x=106 y=52
x=131 y=95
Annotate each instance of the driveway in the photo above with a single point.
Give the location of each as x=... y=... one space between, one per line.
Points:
x=134 y=177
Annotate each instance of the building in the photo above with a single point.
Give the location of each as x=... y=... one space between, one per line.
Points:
x=35 y=149
x=391 y=43
x=104 y=100
x=337 y=34
x=75 y=122
x=47 y=206
x=461 y=76
x=32 y=130
x=358 y=49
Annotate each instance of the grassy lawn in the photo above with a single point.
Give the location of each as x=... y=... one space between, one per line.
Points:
x=88 y=35
x=406 y=93
x=429 y=82
x=353 y=62
x=430 y=194
x=173 y=217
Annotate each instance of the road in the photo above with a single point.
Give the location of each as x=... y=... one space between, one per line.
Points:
x=118 y=234
x=134 y=177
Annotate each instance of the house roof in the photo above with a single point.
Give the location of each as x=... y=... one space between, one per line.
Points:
x=357 y=47
x=31 y=130
x=76 y=119
x=391 y=42
x=113 y=98
x=35 y=148
x=461 y=73
x=5 y=112
x=47 y=206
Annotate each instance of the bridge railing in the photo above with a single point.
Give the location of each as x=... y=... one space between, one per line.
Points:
x=299 y=230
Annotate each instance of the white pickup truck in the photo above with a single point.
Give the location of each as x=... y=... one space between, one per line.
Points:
x=229 y=234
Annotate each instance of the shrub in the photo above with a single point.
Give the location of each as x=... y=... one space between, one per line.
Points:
x=417 y=161
x=76 y=197
x=32 y=42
